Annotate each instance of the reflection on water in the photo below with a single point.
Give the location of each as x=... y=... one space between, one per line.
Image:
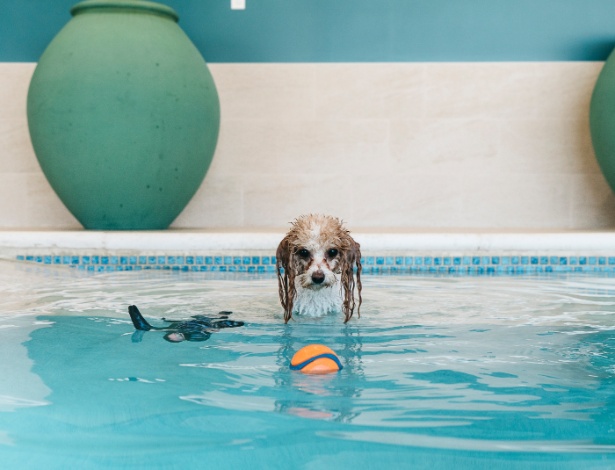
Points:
x=438 y=372
x=331 y=396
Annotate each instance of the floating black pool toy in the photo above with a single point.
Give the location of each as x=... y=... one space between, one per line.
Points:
x=199 y=328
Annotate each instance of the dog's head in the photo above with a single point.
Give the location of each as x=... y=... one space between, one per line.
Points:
x=315 y=254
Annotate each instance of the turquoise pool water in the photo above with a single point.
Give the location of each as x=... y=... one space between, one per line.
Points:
x=439 y=372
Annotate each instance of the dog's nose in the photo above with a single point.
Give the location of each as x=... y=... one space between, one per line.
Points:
x=318 y=277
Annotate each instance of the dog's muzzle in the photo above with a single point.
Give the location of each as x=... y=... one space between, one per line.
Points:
x=318 y=277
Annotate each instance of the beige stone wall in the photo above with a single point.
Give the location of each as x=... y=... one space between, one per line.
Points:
x=384 y=146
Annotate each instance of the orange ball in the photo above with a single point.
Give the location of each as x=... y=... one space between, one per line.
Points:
x=315 y=359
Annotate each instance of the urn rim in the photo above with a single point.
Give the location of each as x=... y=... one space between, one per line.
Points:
x=125 y=5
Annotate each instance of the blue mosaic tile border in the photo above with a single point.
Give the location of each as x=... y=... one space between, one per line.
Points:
x=518 y=264
x=98 y=263
x=468 y=264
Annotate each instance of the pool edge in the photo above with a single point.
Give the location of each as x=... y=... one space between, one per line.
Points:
x=268 y=240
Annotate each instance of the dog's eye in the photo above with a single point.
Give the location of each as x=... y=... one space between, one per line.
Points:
x=303 y=253
x=332 y=252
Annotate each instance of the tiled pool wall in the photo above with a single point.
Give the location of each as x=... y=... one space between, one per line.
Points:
x=476 y=263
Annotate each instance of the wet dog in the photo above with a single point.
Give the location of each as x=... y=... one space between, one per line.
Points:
x=316 y=264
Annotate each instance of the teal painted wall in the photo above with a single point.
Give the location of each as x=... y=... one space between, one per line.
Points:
x=355 y=30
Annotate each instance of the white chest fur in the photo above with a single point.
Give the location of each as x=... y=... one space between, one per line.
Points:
x=316 y=303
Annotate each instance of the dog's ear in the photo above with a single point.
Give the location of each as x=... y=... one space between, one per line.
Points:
x=286 y=277
x=357 y=262
x=351 y=259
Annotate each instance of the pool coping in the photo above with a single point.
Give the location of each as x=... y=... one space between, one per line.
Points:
x=224 y=241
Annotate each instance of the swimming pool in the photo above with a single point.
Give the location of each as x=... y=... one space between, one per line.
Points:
x=439 y=372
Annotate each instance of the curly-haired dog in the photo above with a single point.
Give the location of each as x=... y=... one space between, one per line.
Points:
x=318 y=257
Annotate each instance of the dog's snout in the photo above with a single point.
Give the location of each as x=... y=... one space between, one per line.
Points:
x=318 y=277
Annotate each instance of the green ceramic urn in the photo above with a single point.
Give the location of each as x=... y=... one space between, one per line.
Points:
x=123 y=115
x=602 y=120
